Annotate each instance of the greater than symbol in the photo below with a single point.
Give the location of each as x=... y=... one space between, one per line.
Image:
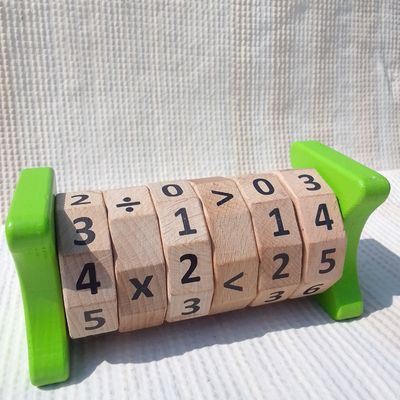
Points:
x=228 y=196
x=128 y=203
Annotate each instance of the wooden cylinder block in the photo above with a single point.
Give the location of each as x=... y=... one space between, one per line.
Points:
x=186 y=249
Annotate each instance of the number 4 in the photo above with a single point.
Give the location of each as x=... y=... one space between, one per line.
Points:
x=323 y=210
x=93 y=284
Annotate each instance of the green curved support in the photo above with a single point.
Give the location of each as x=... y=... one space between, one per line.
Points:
x=359 y=191
x=31 y=240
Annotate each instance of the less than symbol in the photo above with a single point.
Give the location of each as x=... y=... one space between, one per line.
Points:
x=228 y=284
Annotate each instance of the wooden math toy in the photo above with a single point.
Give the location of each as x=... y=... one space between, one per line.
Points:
x=91 y=262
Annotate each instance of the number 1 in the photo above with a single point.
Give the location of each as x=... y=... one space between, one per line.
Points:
x=185 y=220
x=281 y=231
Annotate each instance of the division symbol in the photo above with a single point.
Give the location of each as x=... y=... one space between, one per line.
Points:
x=127 y=204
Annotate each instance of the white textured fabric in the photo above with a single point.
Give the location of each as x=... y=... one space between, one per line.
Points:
x=289 y=350
x=119 y=93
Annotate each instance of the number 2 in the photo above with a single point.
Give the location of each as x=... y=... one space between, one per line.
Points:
x=187 y=278
x=285 y=261
x=82 y=199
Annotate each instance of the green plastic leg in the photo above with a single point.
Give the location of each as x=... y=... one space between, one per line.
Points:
x=359 y=191
x=31 y=240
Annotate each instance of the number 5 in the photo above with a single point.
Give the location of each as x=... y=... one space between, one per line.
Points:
x=330 y=261
x=88 y=318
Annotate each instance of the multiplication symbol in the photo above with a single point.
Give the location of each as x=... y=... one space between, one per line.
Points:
x=128 y=203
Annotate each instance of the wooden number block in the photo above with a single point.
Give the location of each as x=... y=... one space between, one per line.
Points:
x=235 y=255
x=320 y=221
x=86 y=263
x=187 y=250
x=139 y=260
x=277 y=235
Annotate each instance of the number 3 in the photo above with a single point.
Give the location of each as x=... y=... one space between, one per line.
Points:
x=85 y=230
x=275 y=296
x=316 y=185
x=194 y=306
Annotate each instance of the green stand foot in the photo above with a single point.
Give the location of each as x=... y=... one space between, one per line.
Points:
x=359 y=191
x=31 y=240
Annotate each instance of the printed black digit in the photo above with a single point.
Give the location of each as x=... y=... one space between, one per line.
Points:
x=330 y=261
x=285 y=261
x=86 y=230
x=281 y=231
x=256 y=184
x=166 y=190
x=275 y=296
x=186 y=226
x=315 y=185
x=82 y=199
x=88 y=318
x=313 y=289
x=323 y=211
x=194 y=306
x=93 y=284
x=187 y=278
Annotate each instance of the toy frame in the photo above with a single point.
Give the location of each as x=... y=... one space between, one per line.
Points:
x=30 y=234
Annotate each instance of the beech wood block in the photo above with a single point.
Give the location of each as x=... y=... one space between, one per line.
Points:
x=86 y=263
x=187 y=250
x=138 y=256
x=277 y=235
x=235 y=257
x=320 y=221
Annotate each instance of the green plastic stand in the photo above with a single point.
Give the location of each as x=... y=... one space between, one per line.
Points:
x=31 y=240
x=359 y=191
